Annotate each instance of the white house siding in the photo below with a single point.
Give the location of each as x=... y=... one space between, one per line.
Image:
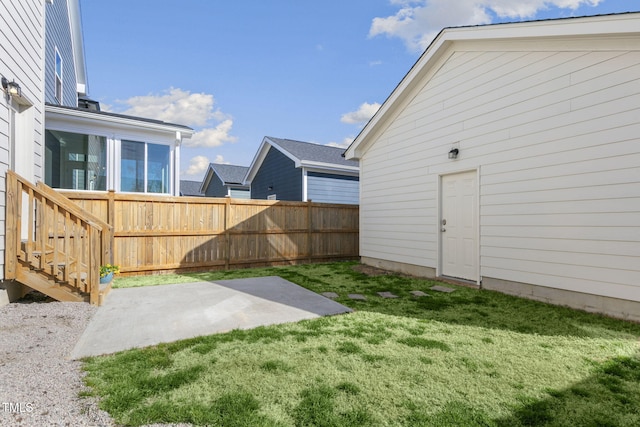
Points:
x=21 y=50
x=238 y=193
x=115 y=132
x=397 y=208
x=330 y=188
x=59 y=37
x=553 y=130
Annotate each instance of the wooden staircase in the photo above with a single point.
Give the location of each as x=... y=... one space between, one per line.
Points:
x=52 y=245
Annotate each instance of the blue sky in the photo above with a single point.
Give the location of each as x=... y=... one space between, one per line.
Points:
x=239 y=70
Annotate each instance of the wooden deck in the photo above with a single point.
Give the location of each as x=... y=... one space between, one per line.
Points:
x=52 y=245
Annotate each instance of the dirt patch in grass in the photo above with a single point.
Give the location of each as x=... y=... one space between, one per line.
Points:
x=369 y=270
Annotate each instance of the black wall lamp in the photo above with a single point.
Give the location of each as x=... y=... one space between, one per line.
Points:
x=453 y=153
x=11 y=88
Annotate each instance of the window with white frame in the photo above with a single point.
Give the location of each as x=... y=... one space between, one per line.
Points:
x=144 y=167
x=58 y=77
x=75 y=161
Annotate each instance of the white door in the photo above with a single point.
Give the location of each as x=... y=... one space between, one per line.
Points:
x=459 y=226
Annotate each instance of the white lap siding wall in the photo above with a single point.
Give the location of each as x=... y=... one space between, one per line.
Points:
x=553 y=129
x=22 y=121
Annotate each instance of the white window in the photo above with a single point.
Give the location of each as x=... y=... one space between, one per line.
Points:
x=58 y=77
x=75 y=161
x=144 y=167
x=272 y=197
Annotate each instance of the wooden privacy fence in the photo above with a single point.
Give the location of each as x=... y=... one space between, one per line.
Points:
x=156 y=234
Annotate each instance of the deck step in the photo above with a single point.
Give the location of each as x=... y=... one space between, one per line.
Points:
x=57 y=291
x=54 y=257
x=104 y=291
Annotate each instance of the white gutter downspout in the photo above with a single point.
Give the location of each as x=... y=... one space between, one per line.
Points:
x=304 y=185
x=176 y=165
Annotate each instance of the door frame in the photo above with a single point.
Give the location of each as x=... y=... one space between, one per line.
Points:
x=440 y=255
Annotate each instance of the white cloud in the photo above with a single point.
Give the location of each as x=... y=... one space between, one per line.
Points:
x=106 y=107
x=185 y=108
x=174 y=106
x=220 y=160
x=344 y=144
x=197 y=165
x=419 y=21
x=212 y=137
x=361 y=115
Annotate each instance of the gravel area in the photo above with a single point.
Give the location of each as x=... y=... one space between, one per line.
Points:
x=39 y=385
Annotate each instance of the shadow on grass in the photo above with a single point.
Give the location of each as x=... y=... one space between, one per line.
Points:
x=610 y=397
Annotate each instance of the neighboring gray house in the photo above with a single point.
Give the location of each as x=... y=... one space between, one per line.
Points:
x=284 y=169
x=225 y=180
x=190 y=188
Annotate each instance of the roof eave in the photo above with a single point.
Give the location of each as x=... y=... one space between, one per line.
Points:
x=75 y=22
x=329 y=167
x=207 y=178
x=431 y=54
x=617 y=24
x=184 y=131
x=257 y=160
x=261 y=154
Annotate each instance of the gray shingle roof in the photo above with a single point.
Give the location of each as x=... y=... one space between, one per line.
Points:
x=307 y=151
x=190 y=188
x=230 y=174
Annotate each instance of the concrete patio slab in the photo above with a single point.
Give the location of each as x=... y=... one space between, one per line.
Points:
x=140 y=317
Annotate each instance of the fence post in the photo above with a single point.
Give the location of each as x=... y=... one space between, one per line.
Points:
x=94 y=267
x=227 y=237
x=309 y=232
x=107 y=248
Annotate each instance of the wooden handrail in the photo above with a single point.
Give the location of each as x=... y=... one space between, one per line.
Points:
x=62 y=241
x=70 y=206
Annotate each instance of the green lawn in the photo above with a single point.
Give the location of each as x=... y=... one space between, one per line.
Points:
x=468 y=358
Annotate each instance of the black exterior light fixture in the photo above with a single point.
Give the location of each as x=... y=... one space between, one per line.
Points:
x=12 y=89
x=453 y=153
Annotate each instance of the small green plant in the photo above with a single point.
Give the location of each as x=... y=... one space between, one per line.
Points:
x=107 y=269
